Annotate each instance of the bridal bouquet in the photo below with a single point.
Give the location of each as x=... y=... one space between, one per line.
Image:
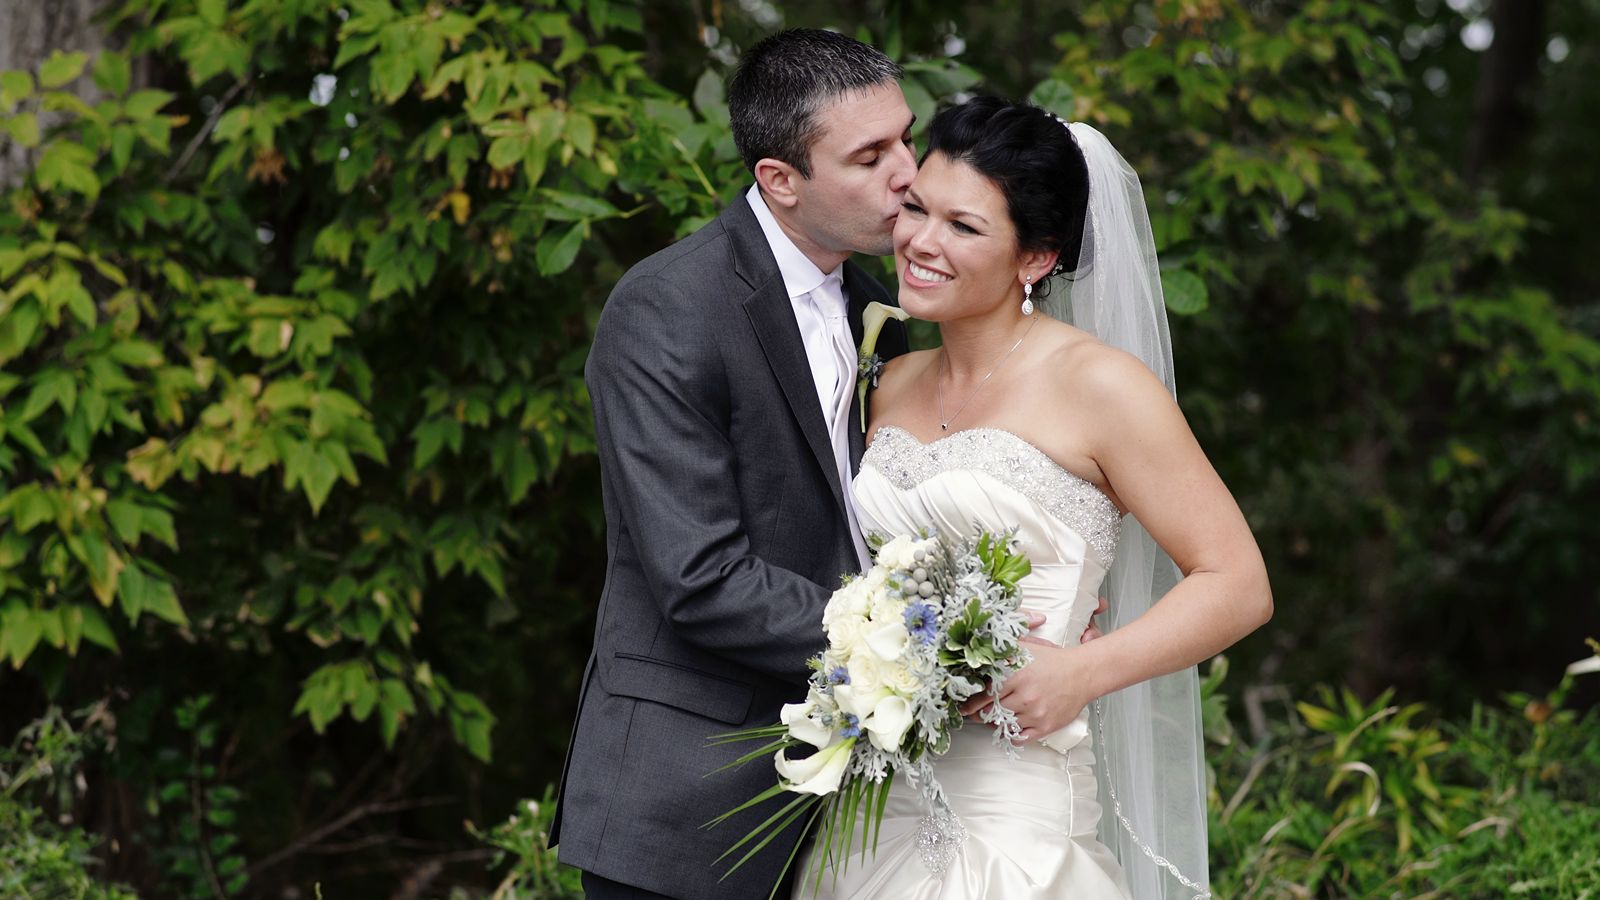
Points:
x=931 y=624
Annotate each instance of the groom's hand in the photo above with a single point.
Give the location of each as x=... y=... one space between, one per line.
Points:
x=1093 y=631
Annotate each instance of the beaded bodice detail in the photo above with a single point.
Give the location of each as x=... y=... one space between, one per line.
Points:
x=907 y=462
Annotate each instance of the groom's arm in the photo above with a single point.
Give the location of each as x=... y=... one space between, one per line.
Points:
x=661 y=407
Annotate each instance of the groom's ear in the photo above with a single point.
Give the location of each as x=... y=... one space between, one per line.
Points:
x=778 y=181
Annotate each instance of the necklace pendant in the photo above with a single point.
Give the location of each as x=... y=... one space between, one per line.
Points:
x=944 y=426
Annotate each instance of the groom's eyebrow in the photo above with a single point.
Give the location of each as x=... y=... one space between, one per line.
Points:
x=883 y=142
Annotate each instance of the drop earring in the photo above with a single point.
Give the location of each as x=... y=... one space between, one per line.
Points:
x=1027 y=296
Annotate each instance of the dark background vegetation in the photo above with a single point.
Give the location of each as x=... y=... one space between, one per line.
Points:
x=299 y=513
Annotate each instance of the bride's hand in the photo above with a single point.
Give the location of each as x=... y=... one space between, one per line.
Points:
x=1047 y=694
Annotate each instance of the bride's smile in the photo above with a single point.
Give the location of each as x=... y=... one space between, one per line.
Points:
x=956 y=249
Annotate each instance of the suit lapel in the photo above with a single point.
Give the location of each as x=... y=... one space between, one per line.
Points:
x=772 y=317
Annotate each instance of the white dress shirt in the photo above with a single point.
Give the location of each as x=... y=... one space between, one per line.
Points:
x=822 y=314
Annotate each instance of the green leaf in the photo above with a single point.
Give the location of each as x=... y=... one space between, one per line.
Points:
x=127 y=520
x=213 y=12
x=17 y=328
x=24 y=128
x=68 y=165
x=708 y=98
x=146 y=103
x=111 y=72
x=507 y=151
x=557 y=249
x=162 y=600
x=123 y=138
x=921 y=103
x=1056 y=96
x=61 y=68
x=133 y=590
x=19 y=632
x=94 y=627
x=29 y=506
x=1184 y=291
x=15 y=86
x=139 y=353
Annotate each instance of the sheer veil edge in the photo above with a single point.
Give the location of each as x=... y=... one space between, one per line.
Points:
x=1148 y=737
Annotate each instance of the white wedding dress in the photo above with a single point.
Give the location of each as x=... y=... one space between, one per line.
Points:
x=1027 y=827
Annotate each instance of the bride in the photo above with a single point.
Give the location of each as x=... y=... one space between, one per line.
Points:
x=1066 y=430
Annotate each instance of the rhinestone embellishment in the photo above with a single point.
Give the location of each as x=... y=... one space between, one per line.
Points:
x=907 y=462
x=940 y=835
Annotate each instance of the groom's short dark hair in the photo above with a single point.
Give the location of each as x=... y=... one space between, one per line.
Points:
x=783 y=81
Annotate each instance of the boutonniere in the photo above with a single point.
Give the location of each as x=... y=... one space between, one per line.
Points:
x=868 y=362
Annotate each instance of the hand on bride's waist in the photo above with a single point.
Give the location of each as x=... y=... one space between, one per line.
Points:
x=1037 y=620
x=1049 y=692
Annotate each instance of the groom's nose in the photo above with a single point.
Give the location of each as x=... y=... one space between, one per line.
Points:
x=905 y=168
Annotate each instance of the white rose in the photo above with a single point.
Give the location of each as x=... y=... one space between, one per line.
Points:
x=845 y=635
x=818 y=773
x=903 y=681
x=887 y=725
x=875 y=579
x=850 y=600
x=897 y=553
x=887 y=609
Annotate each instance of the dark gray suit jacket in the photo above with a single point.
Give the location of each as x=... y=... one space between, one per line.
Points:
x=726 y=533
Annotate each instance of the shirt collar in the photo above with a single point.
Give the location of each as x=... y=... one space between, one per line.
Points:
x=800 y=275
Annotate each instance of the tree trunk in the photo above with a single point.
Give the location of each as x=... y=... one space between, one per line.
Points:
x=1503 y=105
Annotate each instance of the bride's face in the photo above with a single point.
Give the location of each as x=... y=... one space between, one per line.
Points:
x=955 y=248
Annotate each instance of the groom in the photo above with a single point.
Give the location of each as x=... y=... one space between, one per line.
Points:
x=723 y=382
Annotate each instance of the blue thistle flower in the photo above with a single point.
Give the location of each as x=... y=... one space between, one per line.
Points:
x=922 y=620
x=850 y=726
x=839 y=675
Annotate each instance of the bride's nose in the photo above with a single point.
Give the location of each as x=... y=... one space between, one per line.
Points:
x=922 y=241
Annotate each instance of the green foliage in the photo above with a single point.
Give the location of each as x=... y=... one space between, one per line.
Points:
x=38 y=857
x=200 y=855
x=1366 y=346
x=520 y=842
x=1376 y=799
x=291 y=404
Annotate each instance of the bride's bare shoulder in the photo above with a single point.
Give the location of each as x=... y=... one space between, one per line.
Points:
x=903 y=369
x=1094 y=373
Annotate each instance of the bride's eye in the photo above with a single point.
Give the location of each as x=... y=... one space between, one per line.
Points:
x=964 y=228
x=910 y=207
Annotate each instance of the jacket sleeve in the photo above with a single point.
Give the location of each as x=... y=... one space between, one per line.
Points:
x=659 y=390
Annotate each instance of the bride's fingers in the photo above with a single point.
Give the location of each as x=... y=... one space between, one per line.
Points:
x=973 y=705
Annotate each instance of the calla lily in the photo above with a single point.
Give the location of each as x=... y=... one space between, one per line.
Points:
x=818 y=773
x=858 y=700
x=872 y=322
x=887 y=725
x=804 y=728
x=887 y=640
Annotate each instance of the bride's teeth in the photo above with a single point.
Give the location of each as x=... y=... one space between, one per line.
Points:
x=926 y=274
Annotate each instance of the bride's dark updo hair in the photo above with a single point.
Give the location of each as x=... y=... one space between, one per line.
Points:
x=1034 y=161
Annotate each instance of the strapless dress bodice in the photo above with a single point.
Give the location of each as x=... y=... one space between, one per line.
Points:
x=1028 y=823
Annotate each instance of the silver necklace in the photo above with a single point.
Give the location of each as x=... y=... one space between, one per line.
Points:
x=944 y=363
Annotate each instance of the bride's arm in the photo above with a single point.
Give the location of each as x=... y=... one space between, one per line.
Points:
x=1155 y=467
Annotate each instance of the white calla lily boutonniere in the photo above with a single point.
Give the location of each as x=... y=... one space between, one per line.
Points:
x=868 y=362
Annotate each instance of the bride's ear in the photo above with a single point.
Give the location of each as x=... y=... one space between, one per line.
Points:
x=1036 y=265
x=778 y=181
